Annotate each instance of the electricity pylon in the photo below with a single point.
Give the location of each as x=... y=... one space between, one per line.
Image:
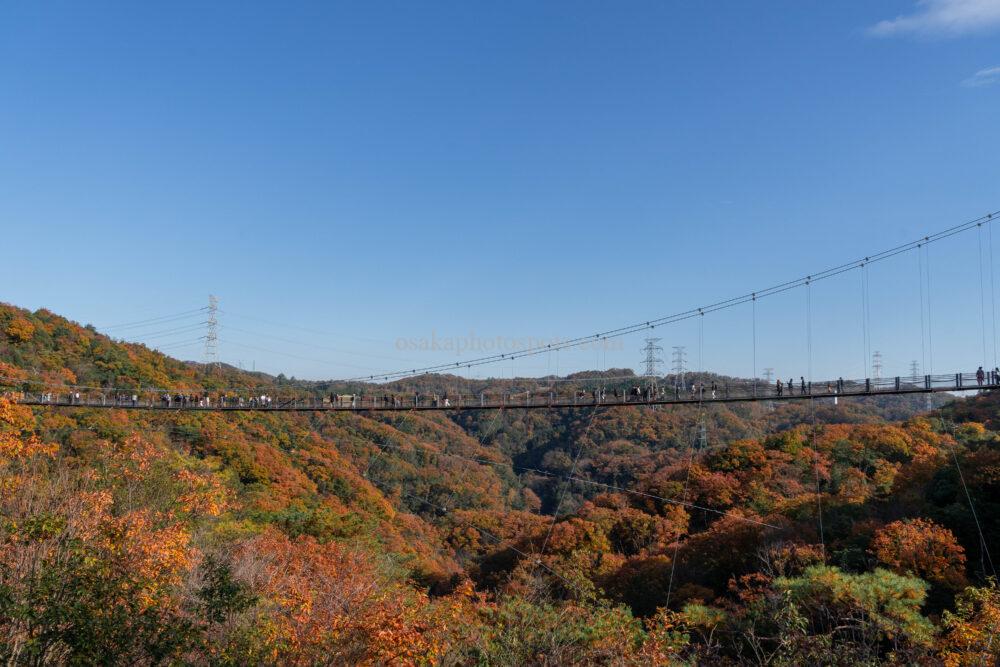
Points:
x=651 y=360
x=679 y=361
x=212 y=333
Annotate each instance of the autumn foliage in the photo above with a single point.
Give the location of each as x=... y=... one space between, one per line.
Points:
x=923 y=548
x=141 y=538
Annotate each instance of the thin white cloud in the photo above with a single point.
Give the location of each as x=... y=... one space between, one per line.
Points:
x=984 y=77
x=942 y=18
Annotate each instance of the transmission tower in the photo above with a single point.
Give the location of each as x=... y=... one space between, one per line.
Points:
x=679 y=360
x=768 y=379
x=915 y=372
x=651 y=360
x=876 y=365
x=212 y=333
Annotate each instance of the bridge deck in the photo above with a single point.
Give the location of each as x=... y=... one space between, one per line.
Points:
x=720 y=393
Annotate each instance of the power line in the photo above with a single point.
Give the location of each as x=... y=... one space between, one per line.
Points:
x=293 y=356
x=566 y=485
x=140 y=323
x=170 y=344
x=138 y=331
x=584 y=480
x=168 y=332
x=285 y=325
x=495 y=538
x=678 y=317
x=819 y=491
x=444 y=510
x=282 y=339
x=687 y=482
x=373 y=459
x=984 y=548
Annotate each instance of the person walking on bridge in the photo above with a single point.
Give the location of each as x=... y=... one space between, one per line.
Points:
x=778 y=387
x=980 y=376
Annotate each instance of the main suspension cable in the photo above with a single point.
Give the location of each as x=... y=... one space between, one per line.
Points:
x=677 y=317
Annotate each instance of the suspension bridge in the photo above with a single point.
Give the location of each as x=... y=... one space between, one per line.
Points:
x=369 y=395
x=698 y=394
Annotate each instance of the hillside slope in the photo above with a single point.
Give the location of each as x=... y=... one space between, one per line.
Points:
x=609 y=536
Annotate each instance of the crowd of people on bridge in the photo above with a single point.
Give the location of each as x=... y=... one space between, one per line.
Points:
x=805 y=388
x=222 y=400
x=648 y=393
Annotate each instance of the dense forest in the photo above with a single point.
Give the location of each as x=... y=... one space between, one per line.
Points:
x=859 y=533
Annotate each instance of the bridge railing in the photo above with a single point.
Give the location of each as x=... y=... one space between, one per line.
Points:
x=692 y=393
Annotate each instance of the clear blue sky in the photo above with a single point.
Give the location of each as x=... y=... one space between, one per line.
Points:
x=382 y=171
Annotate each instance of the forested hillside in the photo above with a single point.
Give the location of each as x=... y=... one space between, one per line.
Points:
x=833 y=534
